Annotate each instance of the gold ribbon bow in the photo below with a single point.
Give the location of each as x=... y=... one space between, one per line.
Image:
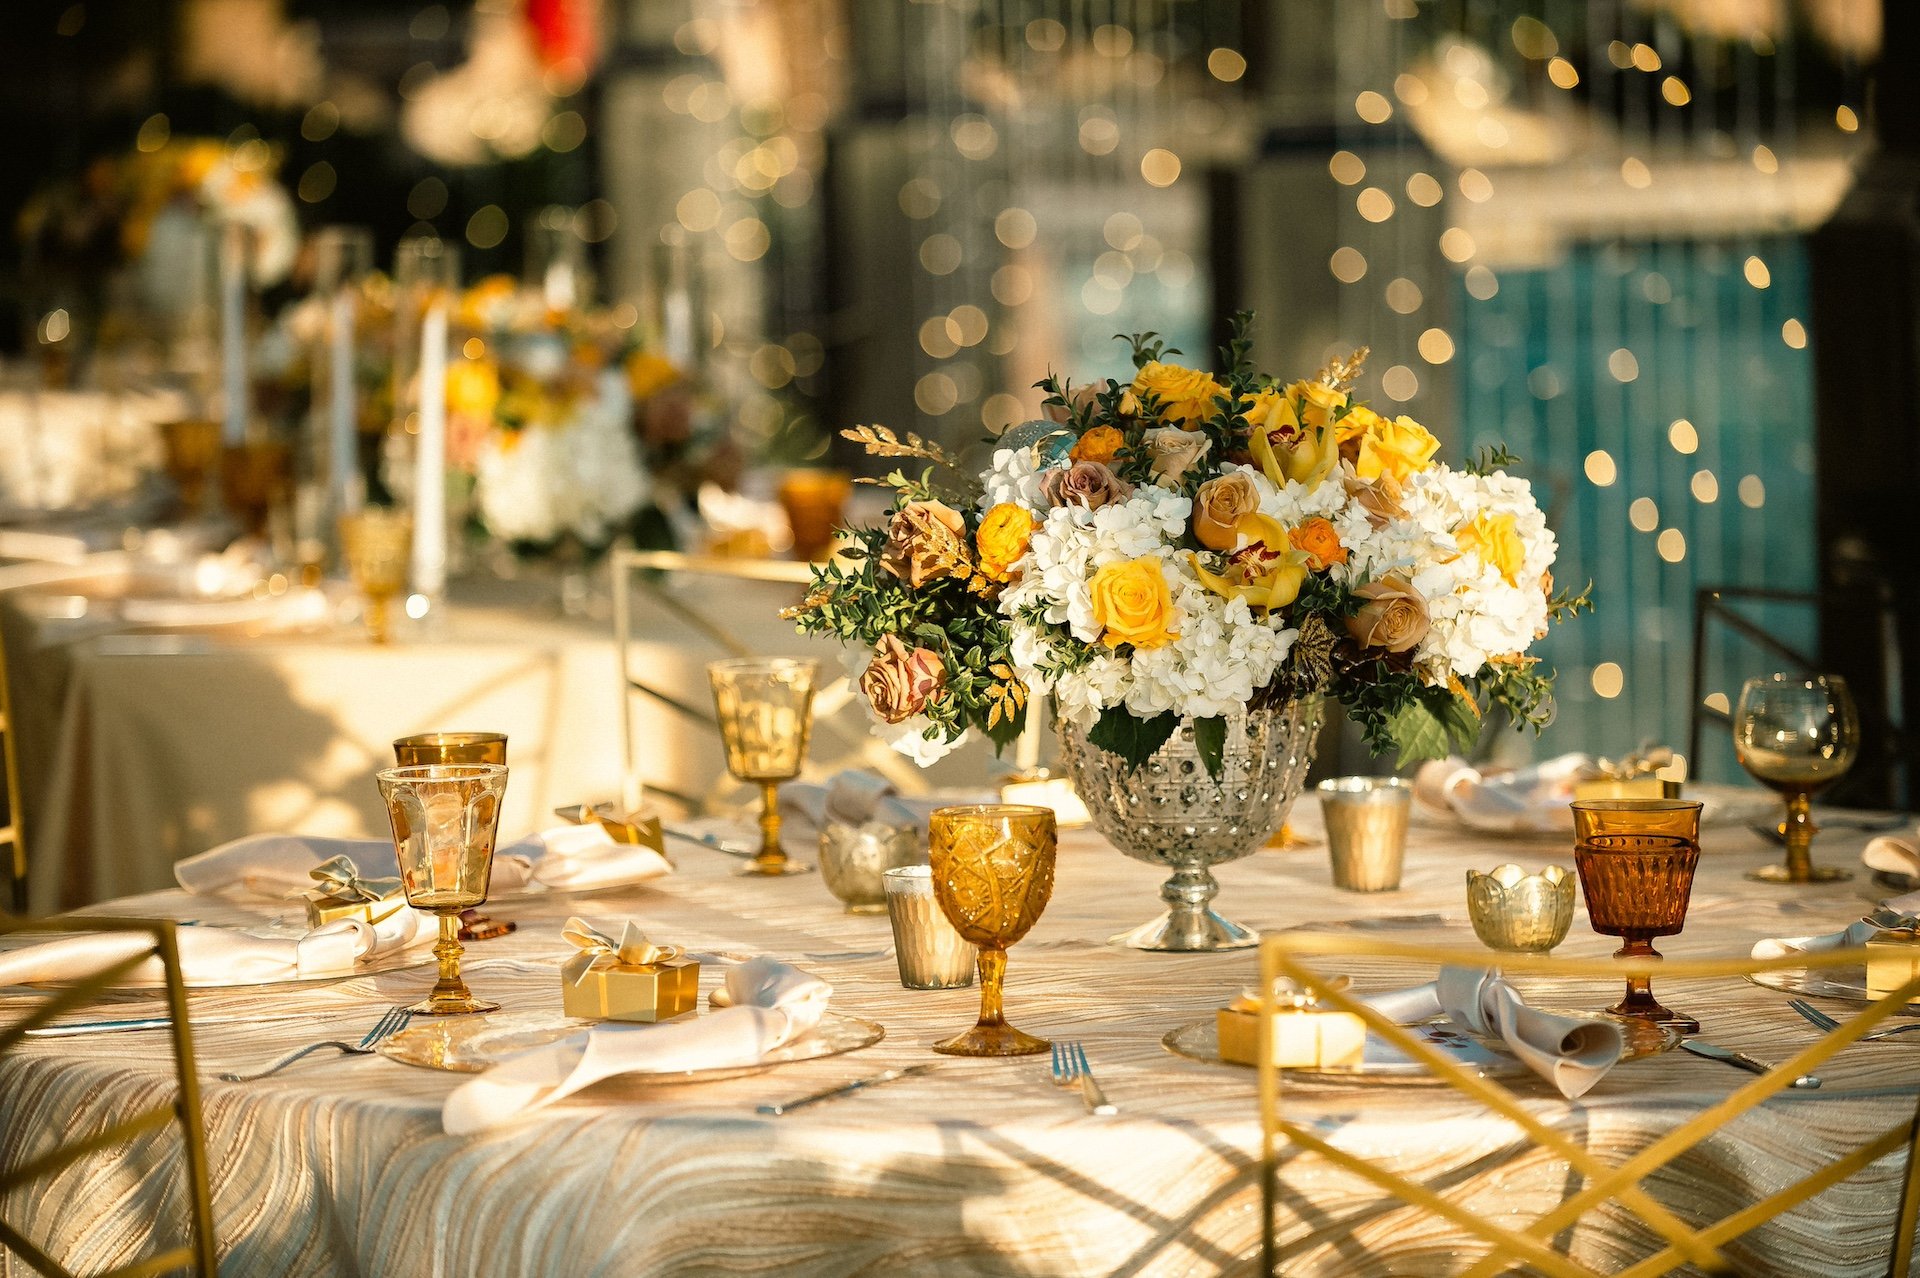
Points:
x=596 y=948
x=1635 y=765
x=1893 y=923
x=1287 y=996
x=340 y=878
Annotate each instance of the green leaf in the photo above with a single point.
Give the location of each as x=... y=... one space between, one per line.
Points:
x=1462 y=722
x=1133 y=739
x=1417 y=733
x=1210 y=735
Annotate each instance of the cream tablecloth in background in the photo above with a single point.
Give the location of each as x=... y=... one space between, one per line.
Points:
x=339 y=1167
x=141 y=748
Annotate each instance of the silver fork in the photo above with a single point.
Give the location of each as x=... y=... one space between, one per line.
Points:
x=392 y=1022
x=1070 y=1069
x=1821 y=1020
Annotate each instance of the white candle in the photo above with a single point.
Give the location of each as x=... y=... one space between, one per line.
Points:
x=233 y=332
x=1026 y=748
x=349 y=487
x=430 y=458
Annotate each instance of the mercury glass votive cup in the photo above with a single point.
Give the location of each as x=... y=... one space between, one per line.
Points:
x=1518 y=912
x=1366 y=820
x=451 y=747
x=765 y=711
x=931 y=955
x=854 y=857
x=446 y=819
x=378 y=545
x=992 y=875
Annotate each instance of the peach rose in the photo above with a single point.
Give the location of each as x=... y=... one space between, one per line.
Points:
x=1101 y=444
x=1317 y=539
x=926 y=540
x=1132 y=604
x=1005 y=532
x=1218 y=507
x=900 y=681
x=1392 y=615
x=1088 y=483
x=1174 y=453
x=1379 y=499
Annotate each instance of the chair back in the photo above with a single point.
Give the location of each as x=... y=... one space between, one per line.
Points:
x=1393 y=1213
x=13 y=839
x=148 y=940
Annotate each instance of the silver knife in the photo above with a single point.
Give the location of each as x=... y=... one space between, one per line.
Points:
x=872 y=1080
x=73 y=1029
x=1740 y=1060
x=711 y=842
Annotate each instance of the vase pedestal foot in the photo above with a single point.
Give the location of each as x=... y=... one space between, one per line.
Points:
x=1188 y=932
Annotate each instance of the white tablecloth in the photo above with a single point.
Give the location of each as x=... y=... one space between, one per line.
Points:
x=339 y=1167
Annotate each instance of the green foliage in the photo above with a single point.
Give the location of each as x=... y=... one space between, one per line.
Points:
x=1210 y=738
x=1491 y=458
x=1147 y=347
x=1133 y=739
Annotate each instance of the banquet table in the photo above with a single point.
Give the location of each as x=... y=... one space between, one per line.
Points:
x=340 y=1166
x=141 y=745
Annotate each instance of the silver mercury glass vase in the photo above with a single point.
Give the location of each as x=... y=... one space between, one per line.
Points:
x=1170 y=812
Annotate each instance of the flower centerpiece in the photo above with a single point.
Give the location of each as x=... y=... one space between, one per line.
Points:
x=1188 y=564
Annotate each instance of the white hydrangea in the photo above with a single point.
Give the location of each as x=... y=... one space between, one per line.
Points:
x=1015 y=477
x=582 y=477
x=910 y=738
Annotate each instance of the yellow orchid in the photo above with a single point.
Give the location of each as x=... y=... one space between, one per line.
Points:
x=1267 y=572
x=1304 y=455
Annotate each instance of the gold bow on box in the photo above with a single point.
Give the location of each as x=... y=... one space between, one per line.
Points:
x=1305 y=1035
x=639 y=829
x=1655 y=773
x=341 y=893
x=631 y=979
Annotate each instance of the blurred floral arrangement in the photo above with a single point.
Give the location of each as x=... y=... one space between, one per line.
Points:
x=1185 y=545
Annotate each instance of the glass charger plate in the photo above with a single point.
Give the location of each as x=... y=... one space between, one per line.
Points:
x=471 y=1044
x=1849 y=983
x=1383 y=1064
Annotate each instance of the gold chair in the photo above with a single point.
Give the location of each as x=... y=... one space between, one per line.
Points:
x=12 y=834
x=1497 y=1246
x=840 y=732
x=198 y=1253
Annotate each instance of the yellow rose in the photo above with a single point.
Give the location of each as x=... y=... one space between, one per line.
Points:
x=1360 y=420
x=1271 y=410
x=1132 y=604
x=1495 y=539
x=1267 y=572
x=1396 y=448
x=1101 y=444
x=473 y=387
x=1003 y=537
x=649 y=374
x=1185 y=395
x=1318 y=402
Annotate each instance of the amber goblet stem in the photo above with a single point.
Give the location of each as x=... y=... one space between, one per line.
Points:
x=993 y=972
x=1798 y=830
x=771 y=858
x=377 y=628
x=1640 y=1001
x=450 y=996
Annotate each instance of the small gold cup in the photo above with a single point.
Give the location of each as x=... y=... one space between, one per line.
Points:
x=1366 y=820
x=450 y=747
x=1520 y=913
x=930 y=953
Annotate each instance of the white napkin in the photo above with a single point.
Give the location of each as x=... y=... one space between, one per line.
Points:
x=1892 y=855
x=272 y=865
x=1571 y=1053
x=856 y=796
x=773 y=1004
x=219 y=956
x=1529 y=800
x=1853 y=935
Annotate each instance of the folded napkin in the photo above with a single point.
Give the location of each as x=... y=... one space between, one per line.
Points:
x=1526 y=800
x=1570 y=1052
x=221 y=956
x=854 y=797
x=1854 y=935
x=273 y=865
x=771 y=1004
x=1891 y=855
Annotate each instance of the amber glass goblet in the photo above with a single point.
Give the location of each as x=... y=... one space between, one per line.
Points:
x=192 y=450
x=992 y=875
x=1637 y=887
x=765 y=708
x=451 y=747
x=377 y=544
x=446 y=819
x=254 y=480
x=1796 y=735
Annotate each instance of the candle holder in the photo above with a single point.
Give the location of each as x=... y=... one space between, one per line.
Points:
x=1520 y=913
x=192 y=450
x=816 y=506
x=1366 y=820
x=765 y=712
x=254 y=481
x=446 y=819
x=377 y=543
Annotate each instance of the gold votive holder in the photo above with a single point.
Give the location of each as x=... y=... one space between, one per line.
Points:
x=1520 y=913
x=931 y=954
x=1366 y=820
x=854 y=857
x=815 y=502
x=450 y=747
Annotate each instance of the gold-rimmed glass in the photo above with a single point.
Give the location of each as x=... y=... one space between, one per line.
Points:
x=446 y=819
x=451 y=747
x=1636 y=859
x=765 y=709
x=377 y=544
x=992 y=875
x=1797 y=735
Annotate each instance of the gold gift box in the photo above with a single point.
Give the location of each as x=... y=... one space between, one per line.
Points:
x=1892 y=961
x=1648 y=787
x=612 y=991
x=322 y=910
x=1303 y=1038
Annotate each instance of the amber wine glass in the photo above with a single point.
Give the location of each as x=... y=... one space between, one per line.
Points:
x=376 y=544
x=446 y=819
x=765 y=709
x=1797 y=735
x=992 y=875
x=1636 y=859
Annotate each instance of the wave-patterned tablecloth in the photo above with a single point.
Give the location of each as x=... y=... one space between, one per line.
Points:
x=339 y=1166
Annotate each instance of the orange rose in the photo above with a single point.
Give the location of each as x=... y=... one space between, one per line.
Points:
x=1317 y=540
x=1003 y=537
x=1101 y=444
